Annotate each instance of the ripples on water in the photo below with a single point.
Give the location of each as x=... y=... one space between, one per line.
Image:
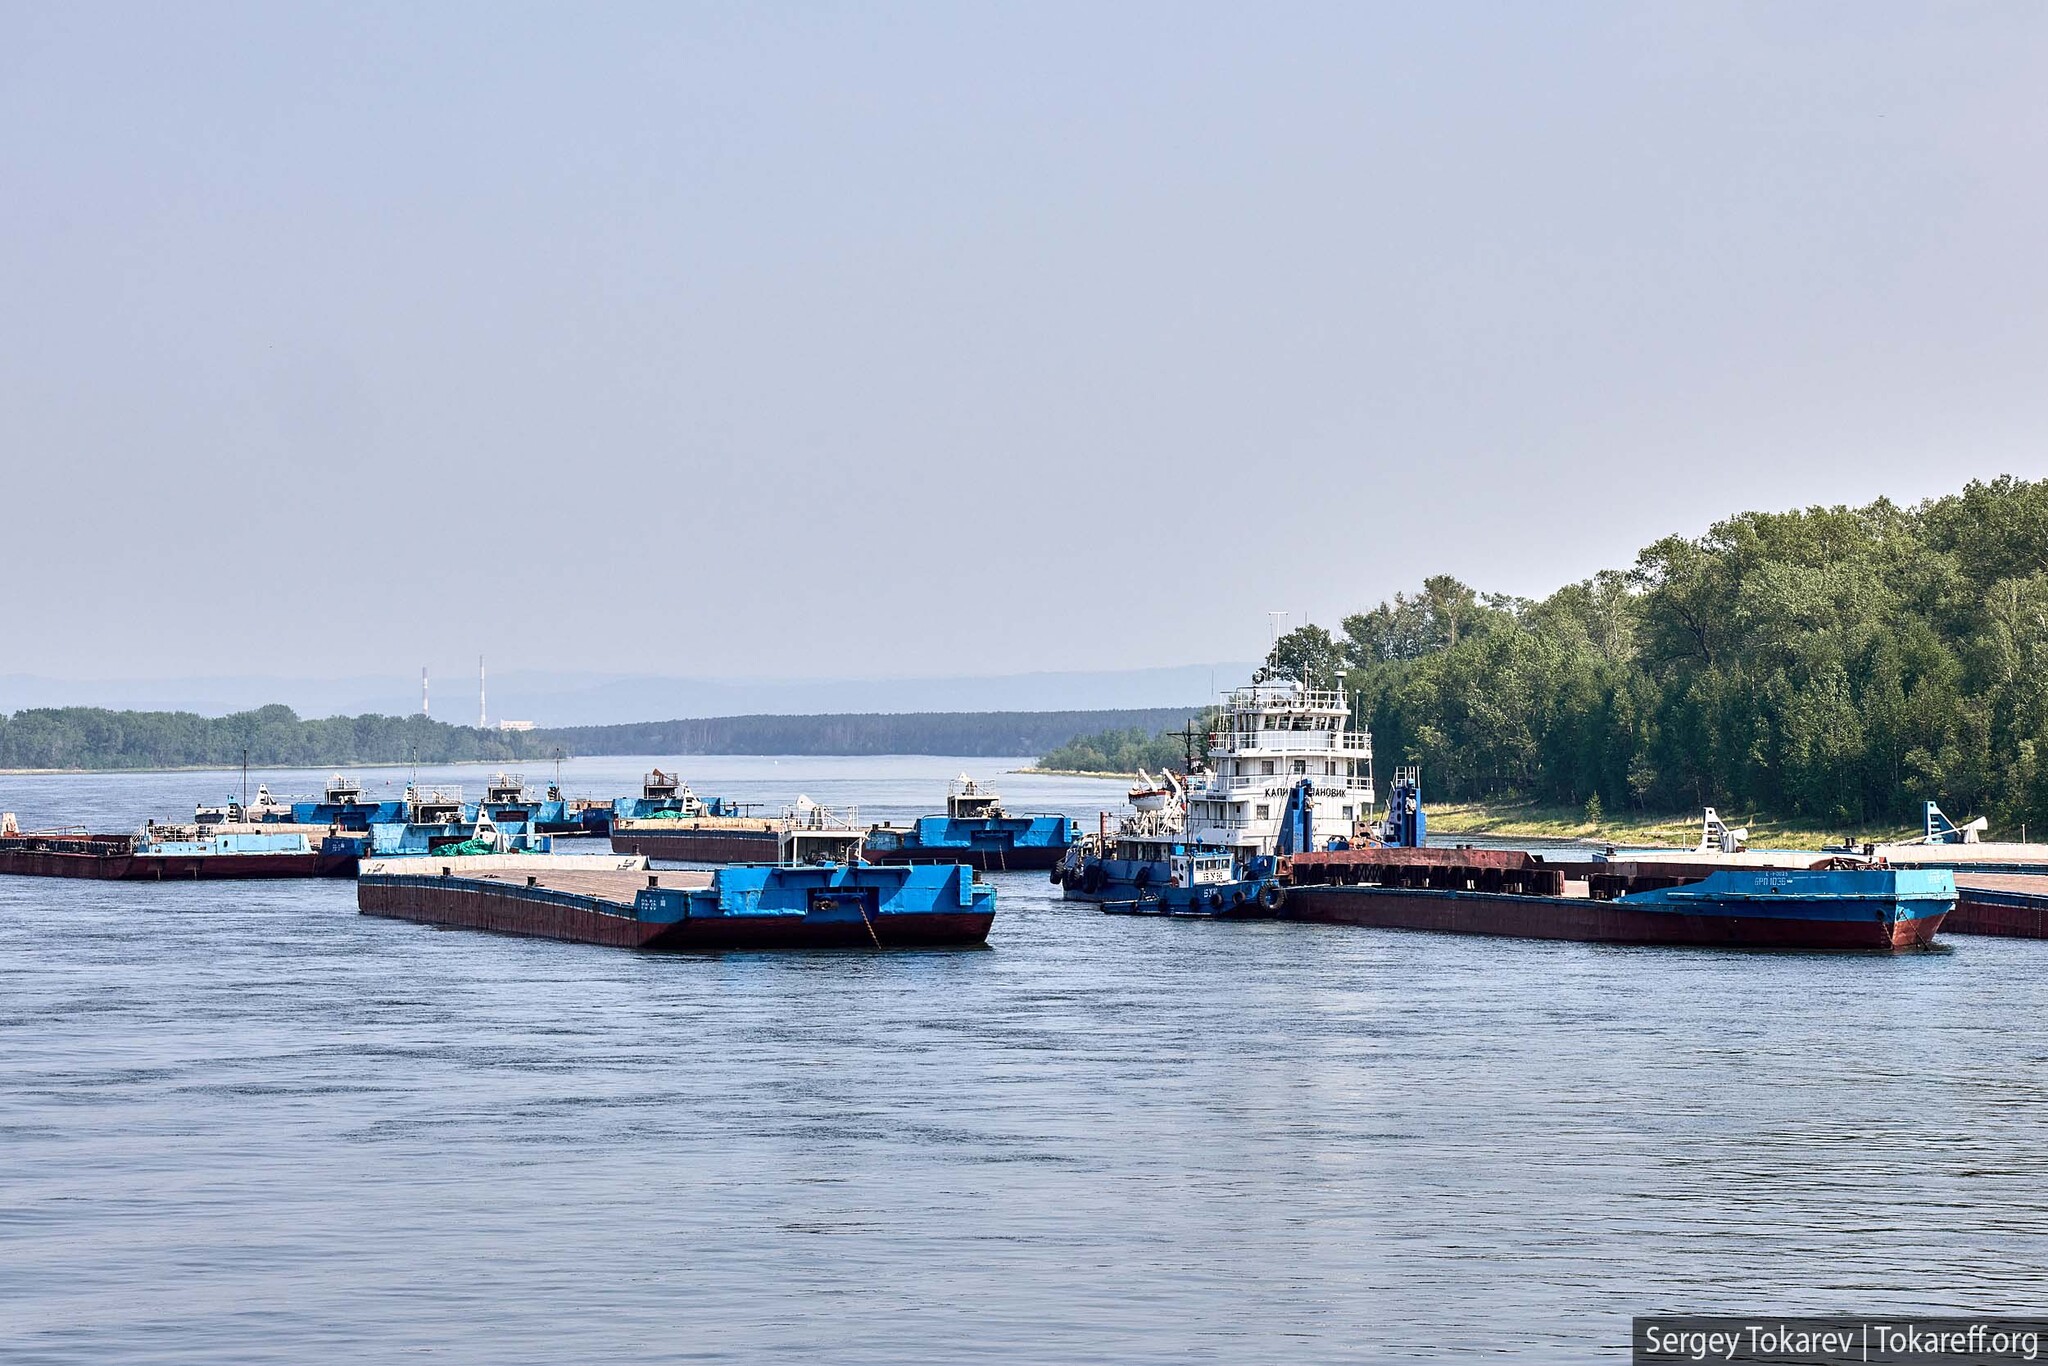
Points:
x=247 y=1124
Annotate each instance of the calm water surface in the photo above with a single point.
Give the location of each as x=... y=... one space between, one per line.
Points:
x=246 y=1124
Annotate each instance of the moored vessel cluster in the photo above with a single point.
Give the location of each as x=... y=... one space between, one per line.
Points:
x=1276 y=817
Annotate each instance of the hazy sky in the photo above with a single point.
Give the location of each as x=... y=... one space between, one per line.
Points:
x=814 y=340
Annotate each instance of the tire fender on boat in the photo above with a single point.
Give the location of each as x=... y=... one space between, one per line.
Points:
x=1272 y=896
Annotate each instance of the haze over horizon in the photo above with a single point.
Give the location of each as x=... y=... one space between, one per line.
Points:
x=554 y=698
x=941 y=342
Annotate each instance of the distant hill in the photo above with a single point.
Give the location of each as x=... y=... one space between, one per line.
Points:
x=965 y=733
x=274 y=736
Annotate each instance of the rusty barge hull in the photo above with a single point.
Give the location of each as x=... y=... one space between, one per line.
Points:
x=699 y=845
x=123 y=867
x=1585 y=920
x=2005 y=905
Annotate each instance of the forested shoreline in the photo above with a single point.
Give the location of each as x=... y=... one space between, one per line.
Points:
x=1834 y=663
x=1120 y=750
x=276 y=737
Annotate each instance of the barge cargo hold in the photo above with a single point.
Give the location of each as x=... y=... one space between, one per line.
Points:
x=820 y=906
x=1859 y=909
x=180 y=857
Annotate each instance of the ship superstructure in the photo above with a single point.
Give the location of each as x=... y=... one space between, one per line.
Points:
x=1267 y=740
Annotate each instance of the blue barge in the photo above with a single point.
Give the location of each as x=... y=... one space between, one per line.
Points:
x=792 y=906
x=665 y=796
x=505 y=802
x=975 y=831
x=343 y=807
x=588 y=817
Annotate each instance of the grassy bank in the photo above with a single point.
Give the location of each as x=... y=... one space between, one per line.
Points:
x=1529 y=820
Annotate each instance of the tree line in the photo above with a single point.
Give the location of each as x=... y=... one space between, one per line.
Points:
x=1121 y=750
x=273 y=737
x=277 y=737
x=1835 y=663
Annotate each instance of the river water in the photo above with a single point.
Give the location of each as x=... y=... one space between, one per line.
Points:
x=246 y=1124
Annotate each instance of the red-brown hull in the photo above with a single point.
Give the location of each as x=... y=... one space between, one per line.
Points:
x=699 y=846
x=2010 y=906
x=2005 y=922
x=508 y=912
x=1589 y=921
x=174 y=867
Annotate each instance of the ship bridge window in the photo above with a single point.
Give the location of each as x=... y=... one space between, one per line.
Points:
x=1265 y=768
x=1264 y=812
x=1301 y=765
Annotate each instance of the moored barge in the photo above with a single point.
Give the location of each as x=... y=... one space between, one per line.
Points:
x=163 y=854
x=708 y=839
x=975 y=830
x=668 y=821
x=1825 y=908
x=807 y=906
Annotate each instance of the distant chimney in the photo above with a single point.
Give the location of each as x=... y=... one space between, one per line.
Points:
x=481 y=723
x=423 y=691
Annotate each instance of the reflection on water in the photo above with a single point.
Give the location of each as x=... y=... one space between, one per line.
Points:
x=245 y=1123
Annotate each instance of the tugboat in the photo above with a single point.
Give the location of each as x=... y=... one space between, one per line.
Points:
x=1282 y=758
x=1211 y=883
x=1125 y=863
x=976 y=831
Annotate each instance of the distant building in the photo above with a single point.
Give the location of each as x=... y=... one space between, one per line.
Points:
x=515 y=725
